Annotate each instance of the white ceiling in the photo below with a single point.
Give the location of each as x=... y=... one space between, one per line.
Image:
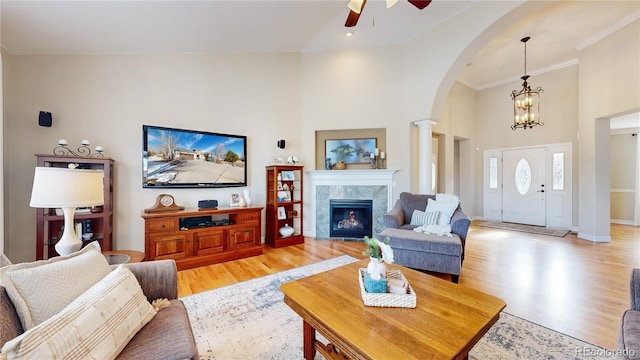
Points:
x=557 y=32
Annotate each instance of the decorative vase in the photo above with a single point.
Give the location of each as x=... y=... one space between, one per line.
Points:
x=340 y=165
x=286 y=230
x=247 y=197
x=377 y=269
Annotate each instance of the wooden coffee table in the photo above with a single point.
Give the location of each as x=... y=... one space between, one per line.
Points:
x=447 y=322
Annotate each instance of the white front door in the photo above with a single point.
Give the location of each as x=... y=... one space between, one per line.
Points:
x=523 y=176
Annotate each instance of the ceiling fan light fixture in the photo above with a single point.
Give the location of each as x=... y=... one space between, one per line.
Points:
x=390 y=3
x=356 y=5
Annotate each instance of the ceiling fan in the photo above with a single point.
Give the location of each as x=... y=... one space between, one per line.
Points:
x=356 y=6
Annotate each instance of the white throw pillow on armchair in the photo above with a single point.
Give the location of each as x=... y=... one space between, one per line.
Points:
x=446 y=209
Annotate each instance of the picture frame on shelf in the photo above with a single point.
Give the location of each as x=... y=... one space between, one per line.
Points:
x=288 y=175
x=284 y=196
x=351 y=151
x=234 y=199
x=282 y=213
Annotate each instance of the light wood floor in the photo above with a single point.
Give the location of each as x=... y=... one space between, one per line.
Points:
x=567 y=284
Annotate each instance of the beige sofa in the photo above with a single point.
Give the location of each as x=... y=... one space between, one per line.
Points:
x=167 y=336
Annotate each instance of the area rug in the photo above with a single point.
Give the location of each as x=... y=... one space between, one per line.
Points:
x=524 y=228
x=249 y=320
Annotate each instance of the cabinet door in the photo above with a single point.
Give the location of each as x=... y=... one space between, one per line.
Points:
x=243 y=236
x=170 y=247
x=208 y=242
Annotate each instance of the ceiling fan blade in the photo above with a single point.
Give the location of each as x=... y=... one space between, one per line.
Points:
x=352 y=19
x=420 y=4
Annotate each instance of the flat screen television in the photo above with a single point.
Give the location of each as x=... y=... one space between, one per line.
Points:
x=192 y=159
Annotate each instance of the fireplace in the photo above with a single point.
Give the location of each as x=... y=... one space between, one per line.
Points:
x=350 y=218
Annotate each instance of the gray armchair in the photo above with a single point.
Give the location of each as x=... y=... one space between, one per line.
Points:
x=421 y=251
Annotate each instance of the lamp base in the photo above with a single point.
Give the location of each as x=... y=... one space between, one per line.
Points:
x=67 y=248
x=69 y=241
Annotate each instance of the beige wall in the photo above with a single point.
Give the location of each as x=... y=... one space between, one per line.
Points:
x=559 y=109
x=107 y=99
x=623 y=165
x=267 y=97
x=460 y=119
x=609 y=77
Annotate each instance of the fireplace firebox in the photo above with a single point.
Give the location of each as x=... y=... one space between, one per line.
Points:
x=351 y=218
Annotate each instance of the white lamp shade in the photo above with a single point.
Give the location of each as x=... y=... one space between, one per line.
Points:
x=61 y=187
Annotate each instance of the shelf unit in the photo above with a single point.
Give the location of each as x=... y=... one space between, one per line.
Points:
x=281 y=209
x=49 y=224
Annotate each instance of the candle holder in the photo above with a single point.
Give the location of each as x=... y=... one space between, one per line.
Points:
x=374 y=162
x=83 y=150
x=383 y=164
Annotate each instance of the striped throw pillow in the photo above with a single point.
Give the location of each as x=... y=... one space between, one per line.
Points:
x=420 y=218
x=96 y=325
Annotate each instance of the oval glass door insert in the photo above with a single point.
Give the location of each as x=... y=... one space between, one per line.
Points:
x=523 y=176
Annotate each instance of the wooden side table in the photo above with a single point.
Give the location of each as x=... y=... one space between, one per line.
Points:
x=123 y=256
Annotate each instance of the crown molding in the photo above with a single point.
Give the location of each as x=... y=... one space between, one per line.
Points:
x=608 y=31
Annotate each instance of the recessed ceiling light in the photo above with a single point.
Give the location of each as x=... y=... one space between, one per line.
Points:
x=349 y=33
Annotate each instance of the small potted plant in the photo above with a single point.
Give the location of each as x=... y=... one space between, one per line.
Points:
x=380 y=254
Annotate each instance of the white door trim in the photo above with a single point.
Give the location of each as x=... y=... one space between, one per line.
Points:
x=559 y=204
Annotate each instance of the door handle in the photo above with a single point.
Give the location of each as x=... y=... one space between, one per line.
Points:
x=541 y=190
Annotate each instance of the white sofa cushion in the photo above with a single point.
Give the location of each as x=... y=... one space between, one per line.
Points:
x=446 y=209
x=96 y=325
x=41 y=289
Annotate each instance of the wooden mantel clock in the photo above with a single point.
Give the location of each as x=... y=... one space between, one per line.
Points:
x=164 y=202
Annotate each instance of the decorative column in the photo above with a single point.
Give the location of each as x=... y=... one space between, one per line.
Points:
x=425 y=153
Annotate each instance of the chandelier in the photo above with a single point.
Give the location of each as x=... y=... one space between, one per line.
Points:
x=526 y=102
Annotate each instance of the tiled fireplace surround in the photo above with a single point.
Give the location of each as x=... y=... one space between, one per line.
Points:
x=374 y=184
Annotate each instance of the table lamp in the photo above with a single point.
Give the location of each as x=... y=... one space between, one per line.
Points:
x=67 y=189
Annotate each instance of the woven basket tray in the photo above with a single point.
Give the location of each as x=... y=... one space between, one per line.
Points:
x=387 y=299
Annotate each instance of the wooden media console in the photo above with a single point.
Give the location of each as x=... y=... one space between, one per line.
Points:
x=201 y=237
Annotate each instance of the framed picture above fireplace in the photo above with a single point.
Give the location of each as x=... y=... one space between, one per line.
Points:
x=351 y=151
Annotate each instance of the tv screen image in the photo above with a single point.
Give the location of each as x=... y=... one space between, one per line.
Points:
x=190 y=158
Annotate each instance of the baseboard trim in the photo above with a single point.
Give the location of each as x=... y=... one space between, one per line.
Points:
x=594 y=238
x=622 y=222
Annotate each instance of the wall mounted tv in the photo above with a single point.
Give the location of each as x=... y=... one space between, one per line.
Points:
x=192 y=159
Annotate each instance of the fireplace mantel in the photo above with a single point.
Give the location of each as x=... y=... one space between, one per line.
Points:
x=352 y=177
x=351 y=181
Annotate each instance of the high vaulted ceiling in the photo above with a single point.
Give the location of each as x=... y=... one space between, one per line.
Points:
x=557 y=32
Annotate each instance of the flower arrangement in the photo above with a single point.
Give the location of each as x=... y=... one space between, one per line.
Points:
x=378 y=249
